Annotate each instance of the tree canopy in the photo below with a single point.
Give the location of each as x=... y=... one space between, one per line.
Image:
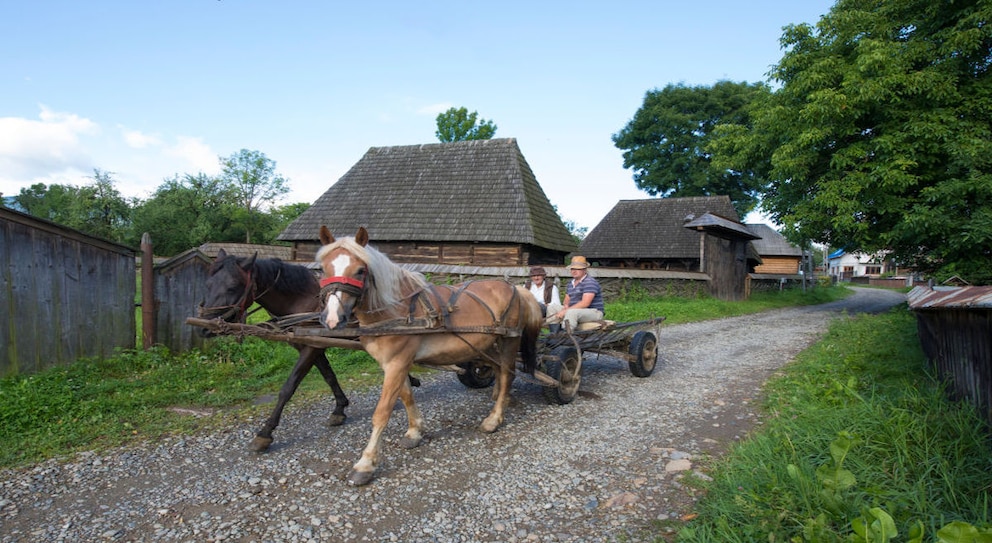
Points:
x=667 y=143
x=879 y=135
x=252 y=180
x=457 y=124
x=184 y=212
x=96 y=208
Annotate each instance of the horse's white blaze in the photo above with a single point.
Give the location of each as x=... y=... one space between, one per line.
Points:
x=333 y=303
x=333 y=306
x=340 y=264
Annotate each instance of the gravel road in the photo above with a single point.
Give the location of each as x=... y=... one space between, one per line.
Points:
x=607 y=467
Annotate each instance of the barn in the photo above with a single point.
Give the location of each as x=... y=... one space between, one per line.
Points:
x=697 y=234
x=469 y=203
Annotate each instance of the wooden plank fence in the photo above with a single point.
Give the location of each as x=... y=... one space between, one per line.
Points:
x=63 y=295
x=955 y=329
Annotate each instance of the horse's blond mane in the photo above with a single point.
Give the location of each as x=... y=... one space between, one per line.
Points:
x=388 y=283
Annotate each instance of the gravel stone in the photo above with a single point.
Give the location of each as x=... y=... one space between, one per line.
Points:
x=599 y=469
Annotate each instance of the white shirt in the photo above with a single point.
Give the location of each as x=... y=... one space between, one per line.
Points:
x=538 y=292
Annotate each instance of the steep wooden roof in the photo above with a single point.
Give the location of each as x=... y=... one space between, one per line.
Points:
x=772 y=243
x=653 y=228
x=481 y=190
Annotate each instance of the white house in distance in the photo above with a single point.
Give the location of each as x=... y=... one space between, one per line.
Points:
x=844 y=265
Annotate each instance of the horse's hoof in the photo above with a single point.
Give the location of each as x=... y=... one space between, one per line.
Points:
x=259 y=444
x=409 y=442
x=488 y=426
x=360 y=478
x=336 y=420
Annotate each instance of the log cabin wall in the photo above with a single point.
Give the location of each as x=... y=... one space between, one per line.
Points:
x=778 y=265
x=455 y=253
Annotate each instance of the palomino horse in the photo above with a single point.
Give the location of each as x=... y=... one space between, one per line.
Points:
x=233 y=284
x=403 y=320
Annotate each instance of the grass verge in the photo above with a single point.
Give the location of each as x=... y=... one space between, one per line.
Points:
x=861 y=445
x=95 y=404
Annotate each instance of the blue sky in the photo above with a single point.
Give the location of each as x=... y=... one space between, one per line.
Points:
x=148 y=90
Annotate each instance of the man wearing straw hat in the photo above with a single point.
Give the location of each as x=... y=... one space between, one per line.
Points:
x=583 y=297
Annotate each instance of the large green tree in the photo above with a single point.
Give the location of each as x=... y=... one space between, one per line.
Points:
x=457 y=124
x=252 y=179
x=185 y=212
x=667 y=143
x=880 y=135
x=97 y=208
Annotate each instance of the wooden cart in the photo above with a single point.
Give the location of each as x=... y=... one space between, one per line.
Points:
x=559 y=355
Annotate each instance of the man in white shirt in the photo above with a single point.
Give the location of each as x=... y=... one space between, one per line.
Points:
x=545 y=292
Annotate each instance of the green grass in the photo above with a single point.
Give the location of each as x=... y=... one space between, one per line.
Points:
x=94 y=404
x=859 y=430
x=681 y=310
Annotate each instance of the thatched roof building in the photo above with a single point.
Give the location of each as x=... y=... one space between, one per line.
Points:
x=651 y=233
x=470 y=202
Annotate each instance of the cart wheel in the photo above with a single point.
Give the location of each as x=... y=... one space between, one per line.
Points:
x=477 y=374
x=644 y=347
x=563 y=366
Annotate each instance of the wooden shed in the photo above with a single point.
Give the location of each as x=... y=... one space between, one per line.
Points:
x=778 y=256
x=63 y=294
x=697 y=234
x=651 y=235
x=471 y=203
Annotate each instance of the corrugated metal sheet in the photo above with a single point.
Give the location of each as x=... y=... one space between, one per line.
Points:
x=922 y=298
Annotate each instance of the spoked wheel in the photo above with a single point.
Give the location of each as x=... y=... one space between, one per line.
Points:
x=644 y=349
x=565 y=366
x=477 y=374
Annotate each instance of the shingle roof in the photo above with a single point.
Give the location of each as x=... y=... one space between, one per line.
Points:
x=720 y=227
x=653 y=228
x=480 y=190
x=247 y=249
x=772 y=243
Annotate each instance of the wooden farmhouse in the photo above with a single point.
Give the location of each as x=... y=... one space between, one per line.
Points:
x=474 y=203
x=701 y=234
x=778 y=256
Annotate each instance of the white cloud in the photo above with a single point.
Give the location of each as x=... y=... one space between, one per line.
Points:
x=44 y=147
x=136 y=139
x=196 y=154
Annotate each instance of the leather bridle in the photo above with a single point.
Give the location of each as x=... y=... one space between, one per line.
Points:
x=240 y=308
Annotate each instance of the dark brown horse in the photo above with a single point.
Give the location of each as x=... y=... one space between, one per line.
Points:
x=403 y=320
x=234 y=284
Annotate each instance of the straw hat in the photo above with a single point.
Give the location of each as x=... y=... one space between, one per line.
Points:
x=537 y=270
x=578 y=263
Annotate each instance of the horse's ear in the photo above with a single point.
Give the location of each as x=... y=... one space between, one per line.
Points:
x=326 y=237
x=250 y=262
x=221 y=254
x=362 y=237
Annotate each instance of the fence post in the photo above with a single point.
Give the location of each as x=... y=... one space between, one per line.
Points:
x=147 y=292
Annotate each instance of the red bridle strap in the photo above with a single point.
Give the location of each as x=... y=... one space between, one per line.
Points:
x=340 y=279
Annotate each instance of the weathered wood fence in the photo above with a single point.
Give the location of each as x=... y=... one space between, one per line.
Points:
x=64 y=294
x=955 y=329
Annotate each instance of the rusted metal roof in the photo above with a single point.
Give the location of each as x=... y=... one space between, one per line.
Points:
x=921 y=298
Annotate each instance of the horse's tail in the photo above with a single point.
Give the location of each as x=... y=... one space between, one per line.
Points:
x=530 y=328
